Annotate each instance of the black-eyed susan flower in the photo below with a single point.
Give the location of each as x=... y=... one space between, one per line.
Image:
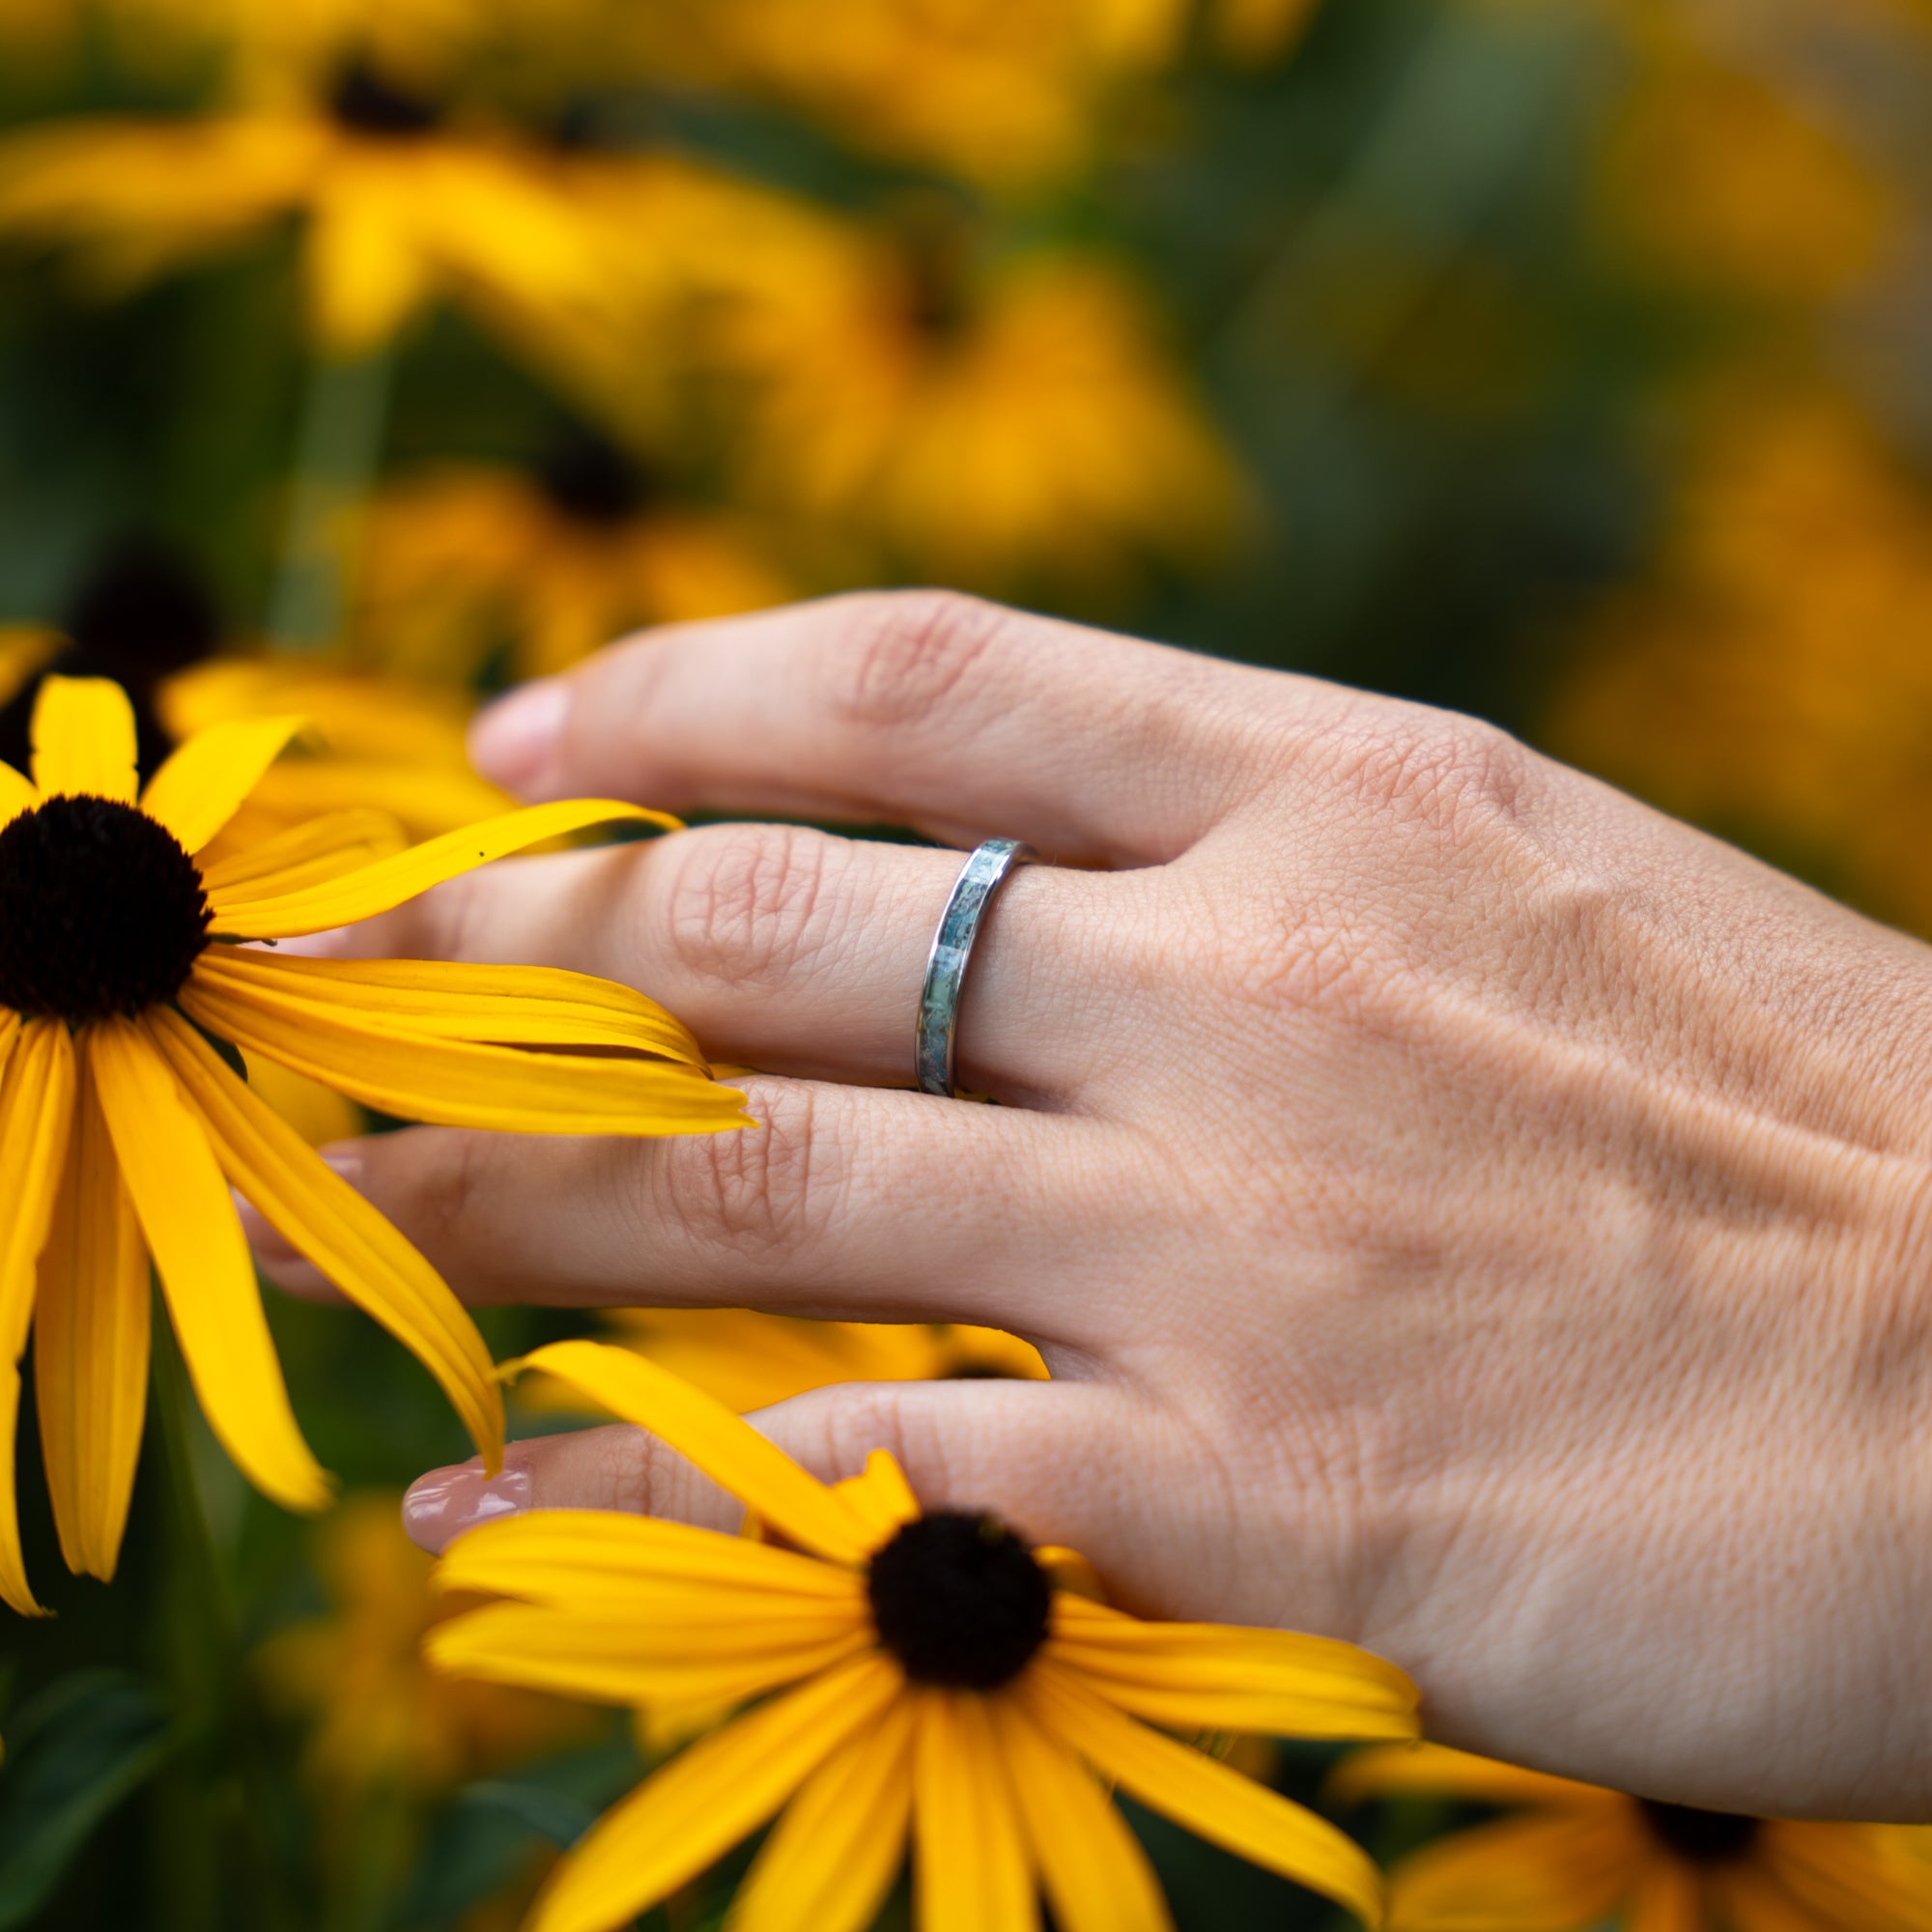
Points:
x=1581 y=1856
x=928 y=1677
x=123 y=1128
x=749 y=1359
x=400 y=203
x=555 y=562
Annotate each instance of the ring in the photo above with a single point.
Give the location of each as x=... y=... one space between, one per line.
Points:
x=980 y=878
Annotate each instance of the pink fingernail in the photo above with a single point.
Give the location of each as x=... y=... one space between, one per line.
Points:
x=443 y=1504
x=512 y=741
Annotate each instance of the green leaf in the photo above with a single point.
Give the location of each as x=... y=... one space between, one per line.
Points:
x=73 y=1754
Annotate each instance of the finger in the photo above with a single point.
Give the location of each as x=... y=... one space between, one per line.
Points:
x=926 y=708
x=785 y=948
x=845 y=1201
x=1053 y=1459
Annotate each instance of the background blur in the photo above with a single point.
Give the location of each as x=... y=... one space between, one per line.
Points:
x=1563 y=362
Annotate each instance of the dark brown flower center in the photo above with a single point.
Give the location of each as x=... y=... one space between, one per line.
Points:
x=591 y=481
x=101 y=911
x=1699 y=1838
x=959 y=1600
x=365 y=100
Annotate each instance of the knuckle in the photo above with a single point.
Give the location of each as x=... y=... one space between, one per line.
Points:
x=764 y=1191
x=1442 y=771
x=909 y=651
x=743 y=904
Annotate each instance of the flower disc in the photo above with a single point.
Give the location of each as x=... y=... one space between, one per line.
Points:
x=1701 y=1837
x=959 y=1600
x=101 y=911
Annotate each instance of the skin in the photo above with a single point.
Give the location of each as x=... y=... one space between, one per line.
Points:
x=1464 y=1212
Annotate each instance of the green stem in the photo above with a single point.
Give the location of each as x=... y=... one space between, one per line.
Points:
x=338 y=451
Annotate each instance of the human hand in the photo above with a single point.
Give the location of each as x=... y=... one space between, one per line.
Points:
x=1463 y=1212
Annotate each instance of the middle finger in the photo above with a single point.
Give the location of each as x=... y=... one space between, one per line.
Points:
x=783 y=948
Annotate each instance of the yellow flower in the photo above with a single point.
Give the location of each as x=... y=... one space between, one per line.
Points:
x=934 y=1678
x=123 y=1129
x=380 y=1717
x=1585 y=1856
x=991 y=429
x=559 y=561
x=749 y=1360
x=400 y=205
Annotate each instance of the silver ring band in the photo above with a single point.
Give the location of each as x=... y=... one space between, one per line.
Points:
x=980 y=878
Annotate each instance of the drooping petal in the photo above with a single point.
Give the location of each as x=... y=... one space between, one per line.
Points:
x=1201 y=1794
x=90 y=1348
x=558 y=1555
x=832 y=1857
x=328 y=847
x=1096 y=1876
x=1666 y=1897
x=323 y=1217
x=723 y=1445
x=202 y=786
x=16 y=794
x=509 y=1006
x=35 y=1123
x=712 y=1656
x=1435 y=1770
x=970 y=1865
x=1216 y=1677
x=1859 y=1875
x=882 y=1495
x=188 y=1218
x=1752 y=1900
x=1561 y=1872
x=388 y=882
x=457 y=1082
x=719 y=1791
x=83 y=734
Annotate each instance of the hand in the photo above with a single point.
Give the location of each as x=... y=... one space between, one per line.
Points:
x=1464 y=1212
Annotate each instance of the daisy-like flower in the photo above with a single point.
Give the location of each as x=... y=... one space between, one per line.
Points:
x=749 y=1360
x=123 y=1129
x=558 y=560
x=928 y=1676
x=400 y=205
x=1584 y=1856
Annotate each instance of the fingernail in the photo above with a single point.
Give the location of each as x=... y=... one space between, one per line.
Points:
x=443 y=1504
x=512 y=741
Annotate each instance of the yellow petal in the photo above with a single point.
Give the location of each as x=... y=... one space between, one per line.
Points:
x=25 y=650
x=1096 y=1876
x=1433 y=1771
x=1219 y=1677
x=724 y=1446
x=1669 y=1897
x=188 y=1218
x=388 y=882
x=1205 y=1796
x=1754 y=1901
x=507 y=1006
x=323 y=1217
x=970 y=1865
x=558 y=1555
x=307 y=854
x=832 y=1857
x=457 y=1082
x=630 y=1660
x=90 y=1349
x=1550 y=1873
x=882 y=1495
x=16 y=794
x=1851 y=1874
x=720 y=1790
x=202 y=786
x=36 y=1115
x=83 y=734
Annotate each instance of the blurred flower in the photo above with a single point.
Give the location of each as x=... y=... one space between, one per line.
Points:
x=380 y=1717
x=1585 y=1856
x=748 y=1360
x=995 y=428
x=401 y=201
x=934 y=1677
x=558 y=560
x=123 y=1129
x=1773 y=677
